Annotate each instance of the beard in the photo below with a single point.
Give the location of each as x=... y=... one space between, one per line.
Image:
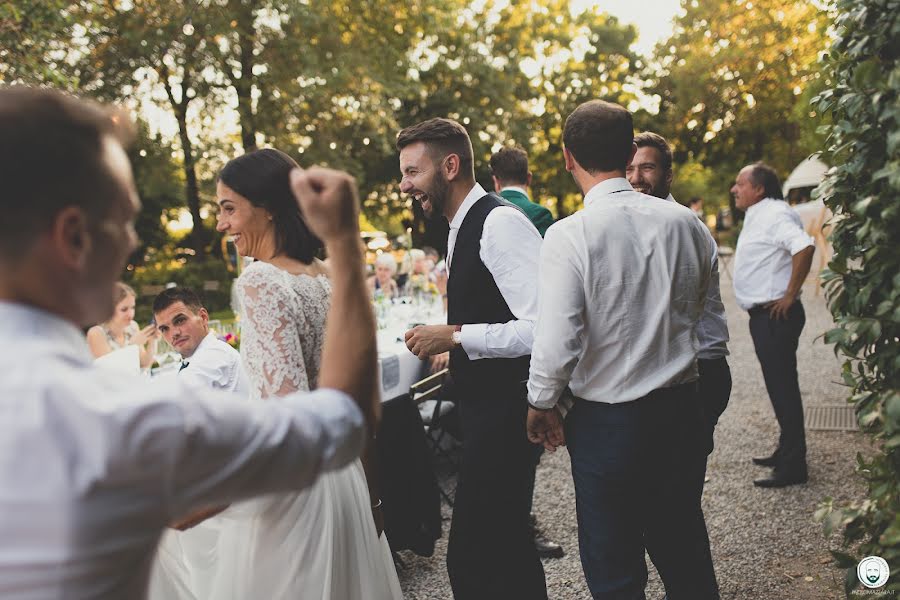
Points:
x=437 y=198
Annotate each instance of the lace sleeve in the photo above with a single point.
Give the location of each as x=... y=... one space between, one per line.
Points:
x=271 y=334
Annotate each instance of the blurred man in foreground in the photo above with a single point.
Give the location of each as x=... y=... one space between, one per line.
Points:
x=119 y=459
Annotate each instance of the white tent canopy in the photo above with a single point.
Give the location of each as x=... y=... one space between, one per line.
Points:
x=808 y=173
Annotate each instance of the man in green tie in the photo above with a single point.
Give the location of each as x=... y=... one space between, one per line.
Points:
x=509 y=170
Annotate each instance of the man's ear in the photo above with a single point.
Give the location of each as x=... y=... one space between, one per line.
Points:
x=570 y=160
x=497 y=186
x=451 y=166
x=670 y=177
x=528 y=180
x=70 y=237
x=204 y=315
x=631 y=154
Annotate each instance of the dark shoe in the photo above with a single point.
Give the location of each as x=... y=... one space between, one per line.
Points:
x=779 y=480
x=766 y=461
x=545 y=548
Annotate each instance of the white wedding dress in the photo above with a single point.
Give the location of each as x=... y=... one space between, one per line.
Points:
x=317 y=544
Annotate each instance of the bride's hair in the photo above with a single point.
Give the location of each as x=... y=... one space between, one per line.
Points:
x=263 y=178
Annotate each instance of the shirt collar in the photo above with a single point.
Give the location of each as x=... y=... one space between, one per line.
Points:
x=23 y=322
x=752 y=207
x=606 y=187
x=670 y=198
x=516 y=188
x=205 y=341
x=474 y=195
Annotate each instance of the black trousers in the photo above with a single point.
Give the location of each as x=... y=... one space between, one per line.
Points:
x=490 y=553
x=634 y=467
x=776 y=342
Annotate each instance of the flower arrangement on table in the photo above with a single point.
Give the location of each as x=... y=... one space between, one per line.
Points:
x=421 y=283
x=232 y=339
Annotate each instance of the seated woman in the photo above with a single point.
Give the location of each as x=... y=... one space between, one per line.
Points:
x=121 y=330
x=383 y=279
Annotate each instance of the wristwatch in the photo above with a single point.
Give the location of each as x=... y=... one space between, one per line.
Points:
x=456 y=336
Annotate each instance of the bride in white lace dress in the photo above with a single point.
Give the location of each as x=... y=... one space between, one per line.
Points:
x=321 y=543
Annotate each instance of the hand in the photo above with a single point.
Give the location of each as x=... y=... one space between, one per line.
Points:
x=328 y=201
x=144 y=335
x=378 y=517
x=545 y=427
x=429 y=340
x=779 y=308
x=440 y=281
x=197 y=517
x=439 y=362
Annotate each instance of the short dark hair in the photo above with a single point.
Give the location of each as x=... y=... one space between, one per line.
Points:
x=442 y=137
x=52 y=156
x=510 y=165
x=599 y=136
x=763 y=175
x=648 y=139
x=170 y=296
x=263 y=178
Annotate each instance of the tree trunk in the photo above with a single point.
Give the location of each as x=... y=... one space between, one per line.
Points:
x=243 y=85
x=198 y=237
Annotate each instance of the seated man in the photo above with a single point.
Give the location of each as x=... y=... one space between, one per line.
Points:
x=182 y=559
x=184 y=324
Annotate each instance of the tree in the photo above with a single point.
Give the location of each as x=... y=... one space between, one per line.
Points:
x=731 y=78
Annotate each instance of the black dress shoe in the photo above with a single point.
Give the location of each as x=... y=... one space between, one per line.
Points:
x=545 y=548
x=779 y=480
x=765 y=461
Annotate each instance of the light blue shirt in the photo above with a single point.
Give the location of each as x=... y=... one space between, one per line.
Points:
x=94 y=464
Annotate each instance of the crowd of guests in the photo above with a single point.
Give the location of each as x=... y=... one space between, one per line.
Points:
x=419 y=269
x=604 y=332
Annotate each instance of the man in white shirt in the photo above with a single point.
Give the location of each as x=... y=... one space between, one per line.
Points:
x=650 y=172
x=771 y=261
x=623 y=284
x=492 y=255
x=93 y=465
x=184 y=324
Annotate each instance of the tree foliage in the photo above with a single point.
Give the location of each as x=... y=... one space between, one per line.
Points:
x=731 y=79
x=863 y=283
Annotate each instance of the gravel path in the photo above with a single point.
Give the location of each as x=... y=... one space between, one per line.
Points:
x=765 y=544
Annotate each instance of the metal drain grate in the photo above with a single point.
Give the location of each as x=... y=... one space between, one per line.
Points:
x=834 y=417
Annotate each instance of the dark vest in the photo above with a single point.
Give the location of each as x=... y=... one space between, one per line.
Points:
x=473 y=297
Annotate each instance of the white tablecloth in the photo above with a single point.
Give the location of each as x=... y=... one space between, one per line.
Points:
x=398 y=368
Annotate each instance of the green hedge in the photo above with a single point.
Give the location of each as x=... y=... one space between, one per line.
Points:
x=863 y=280
x=183 y=272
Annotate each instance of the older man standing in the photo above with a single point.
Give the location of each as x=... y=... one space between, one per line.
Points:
x=622 y=287
x=119 y=459
x=772 y=259
x=492 y=255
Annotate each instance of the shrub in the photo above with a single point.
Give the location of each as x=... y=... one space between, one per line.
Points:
x=863 y=280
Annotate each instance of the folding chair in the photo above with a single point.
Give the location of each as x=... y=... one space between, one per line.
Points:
x=435 y=408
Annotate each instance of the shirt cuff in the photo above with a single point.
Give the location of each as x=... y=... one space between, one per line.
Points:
x=473 y=339
x=342 y=422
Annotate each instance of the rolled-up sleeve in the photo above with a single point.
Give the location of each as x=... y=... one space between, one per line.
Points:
x=788 y=232
x=561 y=320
